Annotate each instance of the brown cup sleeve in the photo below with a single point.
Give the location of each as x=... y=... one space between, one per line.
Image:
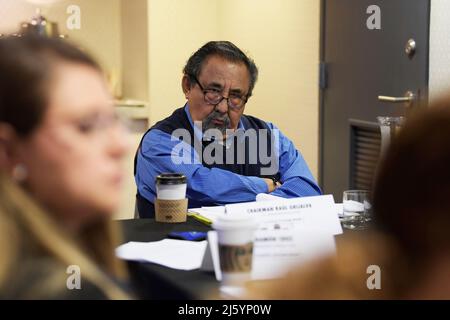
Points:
x=171 y=211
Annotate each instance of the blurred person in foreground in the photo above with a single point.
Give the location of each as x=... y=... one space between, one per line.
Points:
x=410 y=242
x=61 y=147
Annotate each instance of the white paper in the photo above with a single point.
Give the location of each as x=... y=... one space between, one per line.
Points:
x=210 y=213
x=232 y=292
x=211 y=258
x=339 y=209
x=277 y=251
x=216 y=209
x=352 y=207
x=266 y=197
x=175 y=254
x=317 y=212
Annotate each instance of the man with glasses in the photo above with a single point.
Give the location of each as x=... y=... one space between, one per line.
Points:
x=227 y=156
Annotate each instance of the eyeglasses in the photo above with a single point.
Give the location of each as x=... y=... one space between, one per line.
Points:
x=100 y=123
x=93 y=127
x=214 y=97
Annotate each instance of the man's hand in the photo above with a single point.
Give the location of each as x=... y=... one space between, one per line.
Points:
x=271 y=185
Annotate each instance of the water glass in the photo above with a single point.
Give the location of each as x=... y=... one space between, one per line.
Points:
x=357 y=209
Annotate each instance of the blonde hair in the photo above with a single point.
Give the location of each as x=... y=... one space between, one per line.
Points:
x=22 y=220
x=8 y=245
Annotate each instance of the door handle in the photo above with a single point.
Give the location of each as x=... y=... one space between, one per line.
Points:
x=408 y=98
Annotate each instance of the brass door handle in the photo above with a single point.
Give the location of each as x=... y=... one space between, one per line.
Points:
x=409 y=97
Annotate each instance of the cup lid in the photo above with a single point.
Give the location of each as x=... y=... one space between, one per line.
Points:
x=171 y=178
x=235 y=221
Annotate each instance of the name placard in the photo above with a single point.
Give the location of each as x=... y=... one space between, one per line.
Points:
x=275 y=251
x=316 y=213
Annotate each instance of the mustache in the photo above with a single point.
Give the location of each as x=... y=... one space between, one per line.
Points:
x=208 y=122
x=217 y=116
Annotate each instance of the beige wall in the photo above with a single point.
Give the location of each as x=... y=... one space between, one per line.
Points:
x=282 y=36
x=12 y=13
x=134 y=30
x=100 y=33
x=176 y=29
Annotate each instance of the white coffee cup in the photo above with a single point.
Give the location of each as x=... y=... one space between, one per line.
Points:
x=171 y=186
x=235 y=238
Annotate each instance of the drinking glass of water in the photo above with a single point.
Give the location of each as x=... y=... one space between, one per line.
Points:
x=357 y=209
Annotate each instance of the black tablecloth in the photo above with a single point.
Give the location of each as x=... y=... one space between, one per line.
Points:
x=153 y=281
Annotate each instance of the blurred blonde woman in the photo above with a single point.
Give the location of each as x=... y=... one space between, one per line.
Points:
x=61 y=148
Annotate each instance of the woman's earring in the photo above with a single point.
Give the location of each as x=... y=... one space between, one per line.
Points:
x=20 y=172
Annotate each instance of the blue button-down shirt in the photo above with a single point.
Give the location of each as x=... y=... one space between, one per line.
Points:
x=213 y=185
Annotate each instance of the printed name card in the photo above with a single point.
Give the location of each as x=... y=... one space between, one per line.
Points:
x=290 y=232
x=275 y=251
x=315 y=213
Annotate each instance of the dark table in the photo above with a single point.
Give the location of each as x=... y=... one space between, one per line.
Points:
x=153 y=281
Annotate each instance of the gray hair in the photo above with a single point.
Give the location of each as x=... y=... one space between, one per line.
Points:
x=226 y=50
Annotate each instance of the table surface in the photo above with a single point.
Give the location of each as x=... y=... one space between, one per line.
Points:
x=152 y=281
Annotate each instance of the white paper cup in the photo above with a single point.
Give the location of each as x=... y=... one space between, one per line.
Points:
x=235 y=238
x=171 y=186
x=171 y=203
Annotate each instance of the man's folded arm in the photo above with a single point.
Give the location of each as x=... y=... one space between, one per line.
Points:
x=159 y=153
x=296 y=178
